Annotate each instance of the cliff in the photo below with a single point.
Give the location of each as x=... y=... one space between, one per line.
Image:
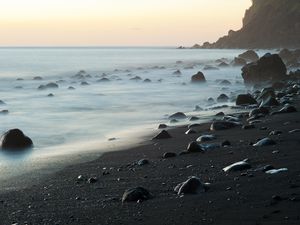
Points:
x=266 y=24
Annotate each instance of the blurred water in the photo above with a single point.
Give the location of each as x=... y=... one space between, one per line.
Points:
x=79 y=120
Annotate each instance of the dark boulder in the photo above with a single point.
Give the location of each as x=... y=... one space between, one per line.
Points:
x=238 y=62
x=222 y=98
x=245 y=99
x=249 y=55
x=162 y=135
x=178 y=116
x=198 y=78
x=268 y=68
x=169 y=155
x=191 y=186
x=136 y=194
x=15 y=139
x=194 y=147
x=223 y=125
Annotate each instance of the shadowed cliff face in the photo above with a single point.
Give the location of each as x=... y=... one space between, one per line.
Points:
x=267 y=24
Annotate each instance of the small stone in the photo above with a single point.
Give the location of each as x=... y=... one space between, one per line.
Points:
x=136 y=194
x=163 y=135
x=169 y=155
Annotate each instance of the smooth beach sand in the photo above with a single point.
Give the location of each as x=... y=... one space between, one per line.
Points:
x=242 y=197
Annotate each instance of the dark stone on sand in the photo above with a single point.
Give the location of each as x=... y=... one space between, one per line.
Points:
x=162 y=135
x=194 y=125
x=275 y=132
x=264 y=142
x=178 y=115
x=222 y=98
x=136 y=194
x=286 y=109
x=207 y=137
x=191 y=186
x=223 y=125
x=143 y=162
x=249 y=55
x=15 y=139
x=169 y=155
x=238 y=166
x=268 y=68
x=92 y=180
x=194 y=147
x=190 y=131
x=198 y=78
x=162 y=126
x=265 y=168
x=248 y=127
x=245 y=99
x=226 y=143
x=238 y=62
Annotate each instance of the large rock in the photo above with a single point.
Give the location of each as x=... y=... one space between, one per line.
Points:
x=238 y=62
x=136 y=194
x=268 y=68
x=223 y=125
x=245 y=99
x=198 y=78
x=249 y=55
x=191 y=186
x=15 y=139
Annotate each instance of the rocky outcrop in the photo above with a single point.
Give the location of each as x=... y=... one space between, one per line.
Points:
x=268 y=68
x=266 y=24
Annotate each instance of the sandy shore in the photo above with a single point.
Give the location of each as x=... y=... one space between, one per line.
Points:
x=242 y=197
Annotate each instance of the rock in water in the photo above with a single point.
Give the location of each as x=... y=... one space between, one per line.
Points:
x=222 y=98
x=163 y=135
x=191 y=186
x=223 y=125
x=136 y=194
x=245 y=99
x=178 y=116
x=198 y=78
x=267 y=68
x=264 y=142
x=238 y=62
x=15 y=139
x=238 y=166
x=249 y=55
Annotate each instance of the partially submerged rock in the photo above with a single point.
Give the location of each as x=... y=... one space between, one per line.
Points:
x=222 y=98
x=249 y=55
x=198 y=78
x=136 y=194
x=15 y=139
x=178 y=116
x=268 y=68
x=191 y=186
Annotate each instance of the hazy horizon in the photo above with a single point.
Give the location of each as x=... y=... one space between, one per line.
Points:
x=132 y=23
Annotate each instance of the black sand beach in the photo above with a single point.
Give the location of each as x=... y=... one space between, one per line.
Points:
x=240 y=197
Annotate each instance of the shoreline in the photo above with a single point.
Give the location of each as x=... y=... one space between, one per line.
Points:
x=117 y=171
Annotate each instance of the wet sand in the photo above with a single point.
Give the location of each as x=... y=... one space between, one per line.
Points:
x=242 y=197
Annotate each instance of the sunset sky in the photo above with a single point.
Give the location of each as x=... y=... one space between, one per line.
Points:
x=117 y=22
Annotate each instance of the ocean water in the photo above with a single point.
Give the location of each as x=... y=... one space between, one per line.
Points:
x=83 y=119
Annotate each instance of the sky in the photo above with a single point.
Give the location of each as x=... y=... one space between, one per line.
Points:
x=117 y=22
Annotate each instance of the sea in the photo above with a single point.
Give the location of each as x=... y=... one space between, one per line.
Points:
x=106 y=97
